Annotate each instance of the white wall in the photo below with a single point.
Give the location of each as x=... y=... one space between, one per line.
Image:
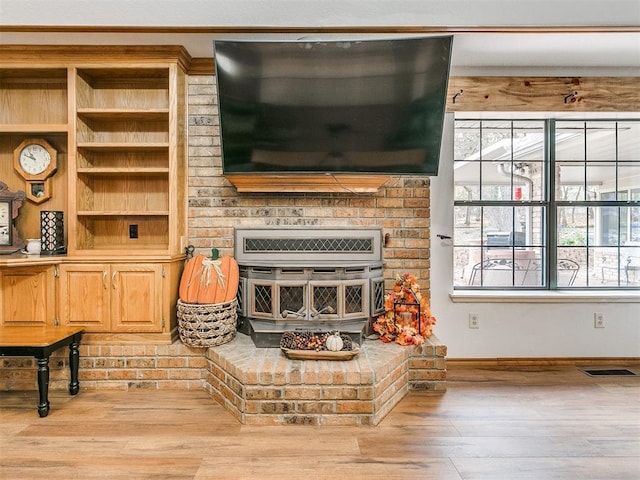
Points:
x=320 y=12
x=542 y=328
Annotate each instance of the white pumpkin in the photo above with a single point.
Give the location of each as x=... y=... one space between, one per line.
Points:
x=334 y=342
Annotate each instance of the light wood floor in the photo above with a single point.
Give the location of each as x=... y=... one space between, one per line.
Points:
x=543 y=424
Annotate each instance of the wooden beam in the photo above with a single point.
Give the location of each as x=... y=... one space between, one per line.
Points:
x=543 y=94
x=300 y=183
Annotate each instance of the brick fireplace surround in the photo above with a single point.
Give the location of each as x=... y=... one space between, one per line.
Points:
x=258 y=386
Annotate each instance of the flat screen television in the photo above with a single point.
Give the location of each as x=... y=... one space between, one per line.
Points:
x=357 y=107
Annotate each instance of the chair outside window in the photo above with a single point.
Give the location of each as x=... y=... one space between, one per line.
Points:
x=628 y=271
x=499 y=272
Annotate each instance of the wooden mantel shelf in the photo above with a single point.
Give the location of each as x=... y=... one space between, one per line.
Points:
x=300 y=183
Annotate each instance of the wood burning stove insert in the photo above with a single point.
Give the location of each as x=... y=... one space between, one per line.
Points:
x=319 y=279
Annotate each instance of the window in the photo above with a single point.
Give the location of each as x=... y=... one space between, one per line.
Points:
x=547 y=204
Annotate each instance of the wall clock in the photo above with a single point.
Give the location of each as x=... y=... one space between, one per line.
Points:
x=10 y=203
x=36 y=160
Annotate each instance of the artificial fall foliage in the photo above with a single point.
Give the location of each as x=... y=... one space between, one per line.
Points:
x=404 y=298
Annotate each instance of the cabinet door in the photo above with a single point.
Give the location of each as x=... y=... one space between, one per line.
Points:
x=136 y=297
x=28 y=296
x=84 y=296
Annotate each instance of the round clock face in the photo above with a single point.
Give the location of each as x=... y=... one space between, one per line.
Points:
x=34 y=159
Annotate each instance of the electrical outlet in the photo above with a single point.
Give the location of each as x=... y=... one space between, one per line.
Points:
x=598 y=320
x=474 y=320
x=133 y=230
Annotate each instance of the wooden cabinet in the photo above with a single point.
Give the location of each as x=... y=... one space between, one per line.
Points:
x=113 y=297
x=117 y=117
x=27 y=296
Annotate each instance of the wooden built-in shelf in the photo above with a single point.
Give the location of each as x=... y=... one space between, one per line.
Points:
x=33 y=98
x=119 y=147
x=122 y=147
x=122 y=213
x=31 y=128
x=154 y=251
x=104 y=171
x=119 y=114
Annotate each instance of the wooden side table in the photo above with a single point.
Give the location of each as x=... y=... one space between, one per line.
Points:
x=41 y=342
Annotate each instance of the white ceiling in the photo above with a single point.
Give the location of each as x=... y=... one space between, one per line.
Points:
x=492 y=37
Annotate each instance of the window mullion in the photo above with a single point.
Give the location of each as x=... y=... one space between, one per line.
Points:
x=552 y=209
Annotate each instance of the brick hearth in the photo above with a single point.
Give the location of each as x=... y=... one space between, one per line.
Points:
x=259 y=386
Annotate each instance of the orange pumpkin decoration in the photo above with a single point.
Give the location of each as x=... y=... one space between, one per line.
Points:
x=209 y=279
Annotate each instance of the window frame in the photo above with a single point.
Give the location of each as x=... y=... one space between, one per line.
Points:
x=550 y=206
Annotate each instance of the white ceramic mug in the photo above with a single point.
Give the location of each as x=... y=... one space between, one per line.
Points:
x=33 y=245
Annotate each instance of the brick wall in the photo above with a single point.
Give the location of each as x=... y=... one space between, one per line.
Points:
x=401 y=207
x=119 y=367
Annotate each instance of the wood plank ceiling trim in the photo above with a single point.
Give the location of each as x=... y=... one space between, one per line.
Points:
x=381 y=29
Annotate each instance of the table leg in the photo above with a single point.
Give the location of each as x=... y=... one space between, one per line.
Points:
x=74 y=360
x=43 y=386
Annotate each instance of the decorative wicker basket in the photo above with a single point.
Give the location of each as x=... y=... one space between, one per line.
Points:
x=207 y=325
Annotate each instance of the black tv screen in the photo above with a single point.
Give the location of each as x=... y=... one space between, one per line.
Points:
x=366 y=106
